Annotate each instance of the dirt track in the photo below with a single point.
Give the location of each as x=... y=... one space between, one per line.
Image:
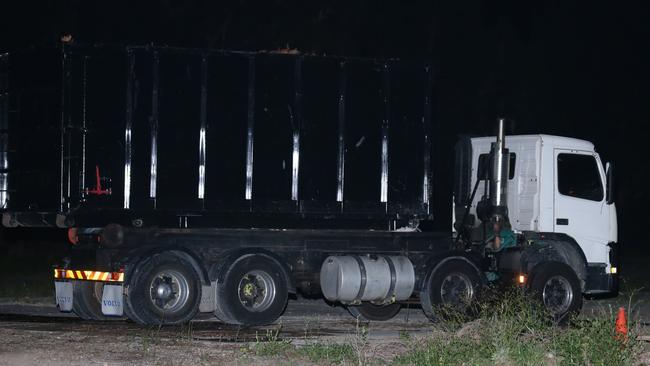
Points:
x=37 y=334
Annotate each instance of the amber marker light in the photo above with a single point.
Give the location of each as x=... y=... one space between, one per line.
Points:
x=521 y=279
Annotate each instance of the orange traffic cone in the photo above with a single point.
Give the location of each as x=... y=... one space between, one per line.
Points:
x=621 y=325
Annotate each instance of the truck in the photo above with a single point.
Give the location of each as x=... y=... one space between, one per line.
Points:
x=227 y=182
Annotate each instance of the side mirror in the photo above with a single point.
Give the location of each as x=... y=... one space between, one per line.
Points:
x=609 y=176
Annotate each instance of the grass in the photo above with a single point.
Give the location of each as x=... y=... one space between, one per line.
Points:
x=330 y=353
x=272 y=346
x=512 y=330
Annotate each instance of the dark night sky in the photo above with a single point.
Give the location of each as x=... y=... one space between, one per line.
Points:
x=560 y=67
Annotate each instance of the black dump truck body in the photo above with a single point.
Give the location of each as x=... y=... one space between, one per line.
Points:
x=220 y=181
x=192 y=138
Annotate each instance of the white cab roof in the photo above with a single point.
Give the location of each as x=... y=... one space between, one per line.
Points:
x=555 y=141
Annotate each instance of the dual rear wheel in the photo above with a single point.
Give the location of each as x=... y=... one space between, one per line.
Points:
x=88 y=300
x=164 y=289
x=253 y=291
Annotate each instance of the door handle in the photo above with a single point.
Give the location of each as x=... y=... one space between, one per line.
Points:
x=562 y=221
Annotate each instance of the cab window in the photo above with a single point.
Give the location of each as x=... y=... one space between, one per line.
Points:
x=577 y=176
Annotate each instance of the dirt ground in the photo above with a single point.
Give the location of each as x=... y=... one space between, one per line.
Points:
x=37 y=334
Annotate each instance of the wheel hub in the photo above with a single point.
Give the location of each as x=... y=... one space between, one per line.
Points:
x=456 y=290
x=256 y=290
x=169 y=290
x=557 y=295
x=164 y=291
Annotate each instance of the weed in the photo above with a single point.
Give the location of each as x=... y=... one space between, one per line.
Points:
x=271 y=344
x=404 y=335
x=360 y=343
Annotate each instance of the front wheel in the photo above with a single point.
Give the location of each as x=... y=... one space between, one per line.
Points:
x=557 y=287
x=370 y=311
x=450 y=290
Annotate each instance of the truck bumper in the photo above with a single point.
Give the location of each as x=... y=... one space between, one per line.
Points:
x=601 y=280
x=601 y=283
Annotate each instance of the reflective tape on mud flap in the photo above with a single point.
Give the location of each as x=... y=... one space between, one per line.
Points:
x=113 y=300
x=85 y=275
x=63 y=295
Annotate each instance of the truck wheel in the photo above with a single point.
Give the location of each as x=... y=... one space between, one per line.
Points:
x=87 y=302
x=165 y=290
x=370 y=311
x=453 y=286
x=254 y=291
x=557 y=287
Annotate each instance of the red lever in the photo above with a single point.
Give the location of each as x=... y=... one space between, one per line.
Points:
x=98 y=191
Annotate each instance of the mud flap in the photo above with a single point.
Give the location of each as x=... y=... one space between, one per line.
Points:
x=63 y=295
x=112 y=300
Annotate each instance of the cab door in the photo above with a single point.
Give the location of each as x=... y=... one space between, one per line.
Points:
x=580 y=209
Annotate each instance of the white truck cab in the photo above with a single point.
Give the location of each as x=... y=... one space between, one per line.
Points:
x=556 y=185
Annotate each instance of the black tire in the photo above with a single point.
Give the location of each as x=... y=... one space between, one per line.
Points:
x=557 y=287
x=254 y=291
x=164 y=289
x=370 y=311
x=87 y=302
x=450 y=289
x=130 y=313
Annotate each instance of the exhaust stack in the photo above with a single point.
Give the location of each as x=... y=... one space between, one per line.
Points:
x=500 y=166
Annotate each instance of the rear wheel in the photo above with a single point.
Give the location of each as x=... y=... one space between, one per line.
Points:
x=254 y=291
x=450 y=290
x=87 y=302
x=165 y=289
x=370 y=311
x=557 y=287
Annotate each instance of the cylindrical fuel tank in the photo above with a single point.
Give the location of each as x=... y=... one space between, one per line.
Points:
x=349 y=278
